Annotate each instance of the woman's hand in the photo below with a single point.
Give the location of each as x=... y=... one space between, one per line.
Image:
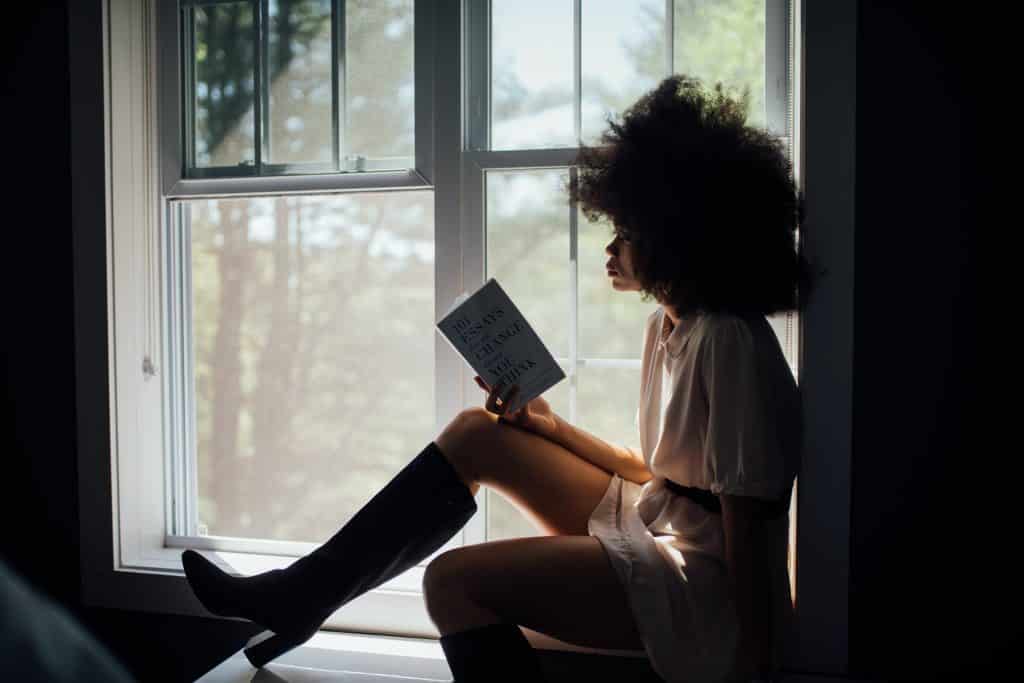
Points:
x=536 y=416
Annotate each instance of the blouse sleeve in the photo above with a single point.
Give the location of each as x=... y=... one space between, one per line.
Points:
x=742 y=451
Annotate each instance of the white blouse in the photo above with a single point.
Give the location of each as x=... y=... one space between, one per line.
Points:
x=719 y=410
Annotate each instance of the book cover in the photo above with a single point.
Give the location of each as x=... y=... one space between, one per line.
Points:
x=497 y=342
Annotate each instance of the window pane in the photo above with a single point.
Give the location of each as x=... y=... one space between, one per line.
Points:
x=505 y=517
x=607 y=401
x=300 y=92
x=611 y=321
x=623 y=56
x=528 y=249
x=225 y=63
x=723 y=41
x=313 y=335
x=532 y=72
x=379 y=83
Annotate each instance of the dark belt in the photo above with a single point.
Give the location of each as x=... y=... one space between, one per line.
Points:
x=702 y=497
x=712 y=504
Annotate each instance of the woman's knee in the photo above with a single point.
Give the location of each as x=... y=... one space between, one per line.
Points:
x=465 y=430
x=441 y=582
x=473 y=420
x=460 y=439
x=439 y=571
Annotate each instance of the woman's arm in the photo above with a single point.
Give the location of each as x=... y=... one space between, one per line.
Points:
x=749 y=571
x=621 y=460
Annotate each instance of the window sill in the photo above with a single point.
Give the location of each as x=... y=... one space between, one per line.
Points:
x=338 y=656
x=348 y=657
x=370 y=658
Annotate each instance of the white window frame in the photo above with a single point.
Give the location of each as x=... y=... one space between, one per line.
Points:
x=122 y=397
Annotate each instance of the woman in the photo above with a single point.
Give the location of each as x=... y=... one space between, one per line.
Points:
x=679 y=550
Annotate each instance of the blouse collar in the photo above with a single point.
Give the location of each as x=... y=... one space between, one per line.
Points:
x=673 y=339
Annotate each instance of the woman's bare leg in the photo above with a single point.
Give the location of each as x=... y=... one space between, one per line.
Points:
x=553 y=486
x=562 y=584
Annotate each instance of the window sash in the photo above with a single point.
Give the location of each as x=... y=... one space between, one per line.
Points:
x=778 y=68
x=182 y=486
x=178 y=107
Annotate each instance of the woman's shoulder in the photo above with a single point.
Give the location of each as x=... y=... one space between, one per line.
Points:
x=724 y=327
x=655 y=315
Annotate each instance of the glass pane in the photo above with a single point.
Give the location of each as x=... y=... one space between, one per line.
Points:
x=611 y=321
x=607 y=402
x=528 y=249
x=225 y=63
x=623 y=56
x=308 y=400
x=300 y=92
x=532 y=72
x=379 y=85
x=507 y=517
x=723 y=41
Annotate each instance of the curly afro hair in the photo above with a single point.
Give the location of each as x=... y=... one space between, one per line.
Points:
x=708 y=203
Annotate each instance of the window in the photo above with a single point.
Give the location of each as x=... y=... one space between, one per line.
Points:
x=529 y=105
x=281 y=173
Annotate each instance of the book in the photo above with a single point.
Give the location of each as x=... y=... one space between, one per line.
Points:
x=497 y=342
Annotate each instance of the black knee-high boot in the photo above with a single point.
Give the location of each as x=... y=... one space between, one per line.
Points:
x=417 y=512
x=496 y=653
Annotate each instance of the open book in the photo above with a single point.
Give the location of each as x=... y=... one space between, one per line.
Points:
x=487 y=329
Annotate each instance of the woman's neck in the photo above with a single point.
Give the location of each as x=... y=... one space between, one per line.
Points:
x=672 y=316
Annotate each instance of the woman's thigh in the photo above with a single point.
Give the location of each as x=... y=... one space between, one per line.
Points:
x=550 y=484
x=562 y=586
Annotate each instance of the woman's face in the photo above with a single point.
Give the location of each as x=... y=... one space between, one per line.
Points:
x=620 y=265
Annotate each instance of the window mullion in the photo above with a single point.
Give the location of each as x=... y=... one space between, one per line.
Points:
x=558 y=157
x=776 y=66
x=340 y=71
x=187 y=58
x=577 y=70
x=337 y=36
x=261 y=85
x=488 y=68
x=670 y=40
x=478 y=74
x=573 y=301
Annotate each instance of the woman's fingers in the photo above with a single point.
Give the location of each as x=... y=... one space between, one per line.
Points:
x=507 y=398
x=499 y=393
x=495 y=394
x=492 y=401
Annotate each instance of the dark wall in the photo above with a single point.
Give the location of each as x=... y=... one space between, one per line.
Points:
x=923 y=513
x=37 y=342
x=926 y=571
x=39 y=522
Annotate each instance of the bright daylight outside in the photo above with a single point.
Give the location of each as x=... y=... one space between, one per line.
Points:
x=313 y=316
